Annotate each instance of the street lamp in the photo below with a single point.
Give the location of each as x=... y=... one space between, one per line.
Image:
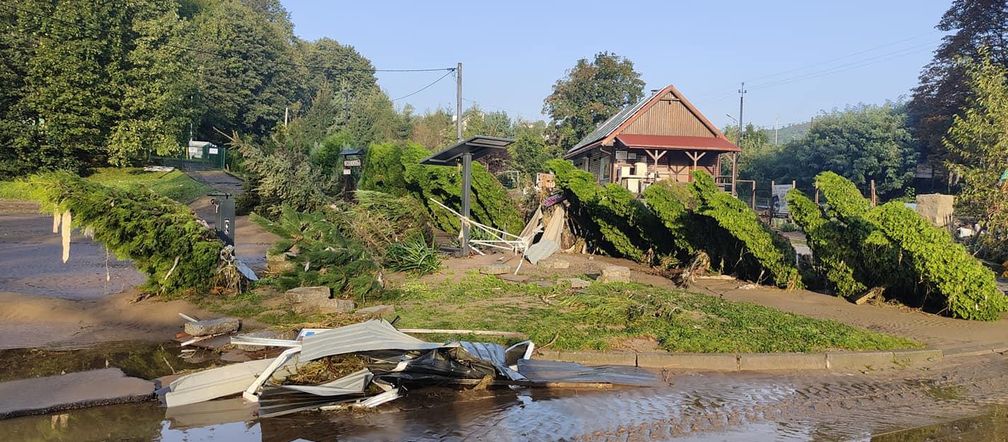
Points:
x=738 y=135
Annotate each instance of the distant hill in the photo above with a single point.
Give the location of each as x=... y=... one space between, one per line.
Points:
x=787 y=133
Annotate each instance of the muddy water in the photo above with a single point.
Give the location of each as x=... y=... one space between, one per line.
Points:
x=935 y=404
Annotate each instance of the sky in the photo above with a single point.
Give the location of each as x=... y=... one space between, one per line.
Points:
x=797 y=58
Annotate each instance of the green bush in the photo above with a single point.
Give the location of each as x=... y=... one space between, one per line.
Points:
x=321 y=254
x=830 y=250
x=396 y=169
x=759 y=250
x=613 y=220
x=942 y=267
x=162 y=237
x=858 y=247
x=414 y=255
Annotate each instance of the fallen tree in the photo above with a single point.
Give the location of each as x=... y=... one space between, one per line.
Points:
x=675 y=225
x=161 y=237
x=857 y=247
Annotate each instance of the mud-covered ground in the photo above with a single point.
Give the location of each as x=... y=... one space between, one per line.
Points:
x=690 y=406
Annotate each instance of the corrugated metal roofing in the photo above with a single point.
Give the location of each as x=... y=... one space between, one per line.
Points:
x=371 y=335
x=608 y=126
x=353 y=383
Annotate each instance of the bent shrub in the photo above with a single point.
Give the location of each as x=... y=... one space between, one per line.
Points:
x=858 y=247
x=677 y=221
x=396 y=169
x=758 y=250
x=612 y=219
x=161 y=237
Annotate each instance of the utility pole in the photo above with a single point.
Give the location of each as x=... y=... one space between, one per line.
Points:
x=286 y=114
x=741 y=101
x=775 y=130
x=458 y=102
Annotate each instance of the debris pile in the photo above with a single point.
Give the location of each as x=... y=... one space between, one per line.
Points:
x=361 y=365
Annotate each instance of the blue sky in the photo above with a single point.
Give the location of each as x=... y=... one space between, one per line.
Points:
x=796 y=57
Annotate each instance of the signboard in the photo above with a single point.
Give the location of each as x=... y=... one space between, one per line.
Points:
x=352 y=163
x=778 y=202
x=346 y=171
x=213 y=151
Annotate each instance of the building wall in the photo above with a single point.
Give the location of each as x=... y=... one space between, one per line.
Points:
x=674 y=165
x=668 y=117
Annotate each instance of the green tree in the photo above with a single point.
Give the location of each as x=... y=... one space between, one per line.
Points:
x=74 y=80
x=244 y=71
x=977 y=144
x=347 y=72
x=590 y=93
x=861 y=143
x=433 y=130
x=157 y=85
x=530 y=152
x=494 y=124
x=944 y=86
x=17 y=147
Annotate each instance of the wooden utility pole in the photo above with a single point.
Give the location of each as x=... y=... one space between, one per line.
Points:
x=458 y=102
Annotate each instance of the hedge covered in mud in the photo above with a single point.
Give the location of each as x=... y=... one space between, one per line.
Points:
x=161 y=237
x=675 y=223
x=396 y=169
x=857 y=247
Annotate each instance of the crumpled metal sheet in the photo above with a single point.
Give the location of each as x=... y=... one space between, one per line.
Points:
x=371 y=335
x=353 y=383
x=494 y=354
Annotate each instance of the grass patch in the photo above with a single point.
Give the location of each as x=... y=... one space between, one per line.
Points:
x=604 y=315
x=175 y=184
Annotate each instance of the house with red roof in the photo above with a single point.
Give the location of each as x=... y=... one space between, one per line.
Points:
x=662 y=137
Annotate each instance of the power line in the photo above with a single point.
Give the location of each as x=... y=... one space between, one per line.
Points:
x=425 y=87
x=215 y=54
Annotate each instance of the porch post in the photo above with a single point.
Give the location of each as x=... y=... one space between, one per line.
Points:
x=734 y=173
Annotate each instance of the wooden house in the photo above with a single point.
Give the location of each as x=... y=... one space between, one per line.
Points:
x=663 y=137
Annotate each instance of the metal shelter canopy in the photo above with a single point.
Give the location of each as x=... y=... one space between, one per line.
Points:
x=468 y=150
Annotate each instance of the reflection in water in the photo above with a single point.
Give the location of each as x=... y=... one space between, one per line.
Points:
x=747 y=406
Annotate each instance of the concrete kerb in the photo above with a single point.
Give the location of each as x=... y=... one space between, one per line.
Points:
x=872 y=360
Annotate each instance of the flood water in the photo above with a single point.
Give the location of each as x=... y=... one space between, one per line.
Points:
x=922 y=405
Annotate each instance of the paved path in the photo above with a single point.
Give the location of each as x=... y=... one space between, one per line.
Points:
x=951 y=335
x=72 y=390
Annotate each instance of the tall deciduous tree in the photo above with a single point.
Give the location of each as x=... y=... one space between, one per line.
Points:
x=75 y=80
x=978 y=152
x=157 y=85
x=590 y=93
x=944 y=88
x=243 y=69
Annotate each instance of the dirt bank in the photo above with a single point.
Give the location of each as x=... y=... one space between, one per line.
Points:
x=36 y=321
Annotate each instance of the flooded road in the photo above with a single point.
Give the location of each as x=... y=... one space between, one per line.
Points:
x=911 y=405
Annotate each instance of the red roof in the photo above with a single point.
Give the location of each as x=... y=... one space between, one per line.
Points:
x=676 y=142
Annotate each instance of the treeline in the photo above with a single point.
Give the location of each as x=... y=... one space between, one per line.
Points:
x=861 y=143
x=89 y=84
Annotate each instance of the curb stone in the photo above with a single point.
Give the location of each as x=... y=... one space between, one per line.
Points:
x=871 y=360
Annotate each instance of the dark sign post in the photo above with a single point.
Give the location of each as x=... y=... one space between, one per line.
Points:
x=224 y=208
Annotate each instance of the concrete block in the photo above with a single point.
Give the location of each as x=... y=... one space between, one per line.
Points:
x=495 y=269
x=917 y=357
x=71 y=391
x=308 y=294
x=212 y=326
x=782 y=361
x=615 y=274
x=689 y=361
x=872 y=360
x=595 y=358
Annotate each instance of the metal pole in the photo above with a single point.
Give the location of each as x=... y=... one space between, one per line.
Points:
x=458 y=106
x=741 y=100
x=466 y=184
